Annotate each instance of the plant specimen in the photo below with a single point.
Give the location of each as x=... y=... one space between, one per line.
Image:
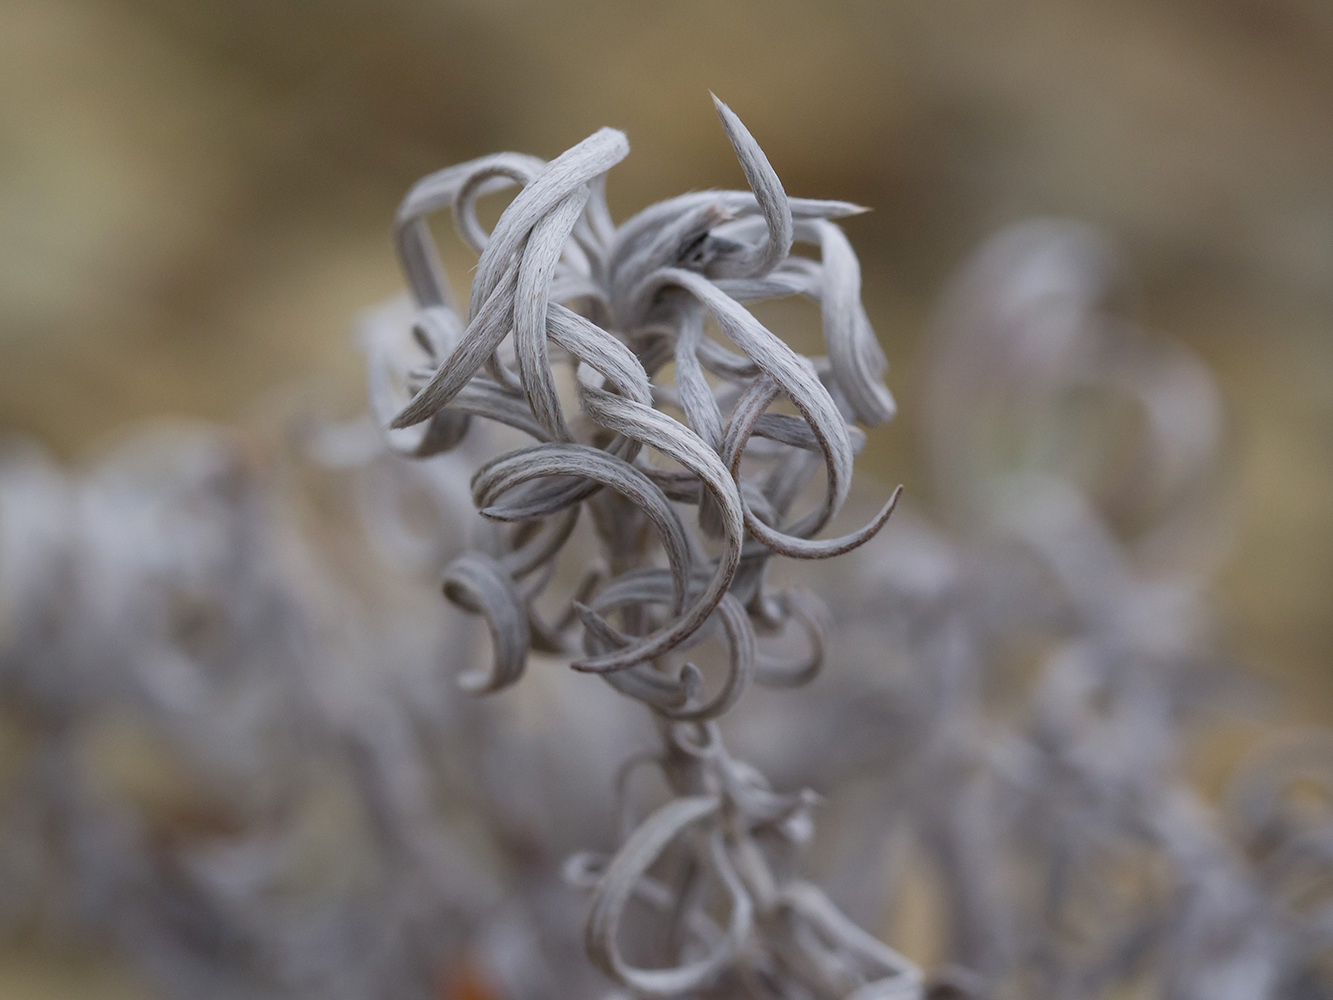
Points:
x=648 y=286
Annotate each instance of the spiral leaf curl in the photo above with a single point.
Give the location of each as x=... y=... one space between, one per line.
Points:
x=557 y=283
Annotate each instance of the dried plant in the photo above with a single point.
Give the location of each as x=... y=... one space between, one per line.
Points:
x=238 y=753
x=654 y=280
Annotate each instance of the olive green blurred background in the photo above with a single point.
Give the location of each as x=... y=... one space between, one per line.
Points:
x=195 y=199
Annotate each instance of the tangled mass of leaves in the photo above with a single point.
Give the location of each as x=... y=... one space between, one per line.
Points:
x=602 y=458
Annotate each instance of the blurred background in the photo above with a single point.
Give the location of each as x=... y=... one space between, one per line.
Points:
x=195 y=200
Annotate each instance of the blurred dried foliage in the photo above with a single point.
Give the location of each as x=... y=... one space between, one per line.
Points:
x=193 y=199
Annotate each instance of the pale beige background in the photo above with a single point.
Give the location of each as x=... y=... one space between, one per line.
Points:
x=195 y=197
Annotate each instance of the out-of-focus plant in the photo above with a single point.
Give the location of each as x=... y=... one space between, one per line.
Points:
x=235 y=748
x=1050 y=644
